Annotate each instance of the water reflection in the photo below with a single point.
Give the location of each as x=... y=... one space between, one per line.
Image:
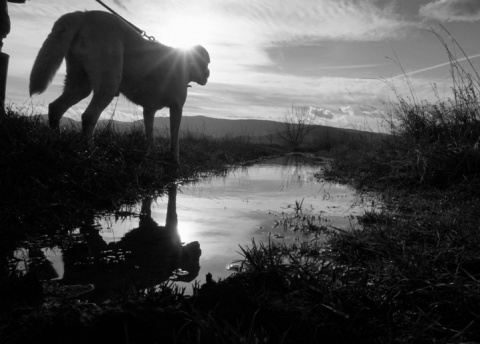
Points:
x=225 y=212
x=146 y=256
x=217 y=213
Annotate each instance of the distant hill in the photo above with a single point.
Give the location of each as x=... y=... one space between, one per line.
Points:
x=259 y=130
x=219 y=127
x=194 y=124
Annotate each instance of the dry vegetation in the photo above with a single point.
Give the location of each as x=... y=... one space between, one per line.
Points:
x=407 y=274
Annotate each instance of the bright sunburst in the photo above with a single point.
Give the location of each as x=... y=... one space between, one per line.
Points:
x=186 y=30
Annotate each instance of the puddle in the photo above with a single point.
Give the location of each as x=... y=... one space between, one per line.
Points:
x=195 y=229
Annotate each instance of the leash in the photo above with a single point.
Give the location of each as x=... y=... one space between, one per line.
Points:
x=140 y=31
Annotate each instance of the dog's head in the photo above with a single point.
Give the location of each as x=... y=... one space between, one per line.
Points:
x=199 y=60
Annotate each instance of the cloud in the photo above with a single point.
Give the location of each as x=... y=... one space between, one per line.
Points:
x=452 y=10
x=321 y=113
x=347 y=110
x=440 y=65
x=358 y=66
x=314 y=20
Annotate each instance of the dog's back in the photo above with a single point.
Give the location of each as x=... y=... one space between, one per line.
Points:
x=95 y=26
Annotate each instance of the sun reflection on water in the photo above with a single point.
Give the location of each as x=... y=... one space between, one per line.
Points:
x=201 y=226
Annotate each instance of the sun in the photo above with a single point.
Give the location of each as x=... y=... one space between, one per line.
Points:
x=186 y=30
x=187 y=231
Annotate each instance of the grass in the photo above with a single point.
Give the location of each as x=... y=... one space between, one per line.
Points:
x=407 y=273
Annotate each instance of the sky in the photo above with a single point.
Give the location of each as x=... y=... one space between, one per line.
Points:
x=348 y=60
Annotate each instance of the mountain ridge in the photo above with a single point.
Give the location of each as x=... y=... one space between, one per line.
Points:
x=258 y=129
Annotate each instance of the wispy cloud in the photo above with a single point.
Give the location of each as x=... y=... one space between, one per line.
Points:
x=452 y=10
x=373 y=65
x=440 y=65
x=312 y=20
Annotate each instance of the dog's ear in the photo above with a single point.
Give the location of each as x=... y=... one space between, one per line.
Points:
x=199 y=60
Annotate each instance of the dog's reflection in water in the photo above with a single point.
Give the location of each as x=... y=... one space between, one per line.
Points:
x=146 y=256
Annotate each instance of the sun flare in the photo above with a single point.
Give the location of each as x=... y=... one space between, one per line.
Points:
x=187 y=231
x=186 y=30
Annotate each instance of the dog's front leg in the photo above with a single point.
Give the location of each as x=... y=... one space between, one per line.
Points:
x=148 y=119
x=175 y=120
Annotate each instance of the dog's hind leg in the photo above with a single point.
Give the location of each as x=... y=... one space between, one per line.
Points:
x=93 y=111
x=104 y=66
x=77 y=87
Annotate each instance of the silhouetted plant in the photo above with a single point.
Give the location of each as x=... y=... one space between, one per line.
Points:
x=297 y=123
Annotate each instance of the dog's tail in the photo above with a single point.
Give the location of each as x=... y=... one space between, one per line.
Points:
x=53 y=51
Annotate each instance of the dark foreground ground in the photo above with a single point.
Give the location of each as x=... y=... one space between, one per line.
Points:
x=408 y=273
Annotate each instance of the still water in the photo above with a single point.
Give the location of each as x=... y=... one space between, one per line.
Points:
x=196 y=228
